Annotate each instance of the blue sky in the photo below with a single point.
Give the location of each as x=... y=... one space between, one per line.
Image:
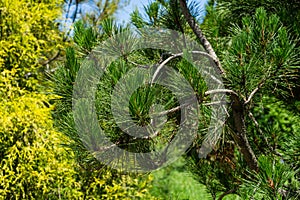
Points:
x=122 y=15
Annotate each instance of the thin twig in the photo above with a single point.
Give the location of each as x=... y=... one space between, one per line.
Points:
x=176 y=56
x=262 y=134
x=103 y=13
x=254 y=92
x=52 y=58
x=227 y=193
x=163 y=64
x=73 y=19
x=189 y=102
x=221 y=91
x=216 y=103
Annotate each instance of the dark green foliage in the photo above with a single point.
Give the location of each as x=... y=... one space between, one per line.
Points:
x=232 y=12
x=258 y=51
x=165 y=13
x=261 y=52
x=98 y=181
x=258 y=48
x=275 y=180
x=84 y=37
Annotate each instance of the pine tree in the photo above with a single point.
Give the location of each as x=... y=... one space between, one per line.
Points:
x=256 y=156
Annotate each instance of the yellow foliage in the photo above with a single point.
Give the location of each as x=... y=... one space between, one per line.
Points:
x=28 y=34
x=33 y=163
x=123 y=187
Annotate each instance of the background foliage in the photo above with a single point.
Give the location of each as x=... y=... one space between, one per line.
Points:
x=42 y=155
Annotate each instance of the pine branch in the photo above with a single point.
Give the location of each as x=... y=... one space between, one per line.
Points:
x=179 y=55
x=198 y=32
x=254 y=92
x=221 y=91
x=237 y=105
